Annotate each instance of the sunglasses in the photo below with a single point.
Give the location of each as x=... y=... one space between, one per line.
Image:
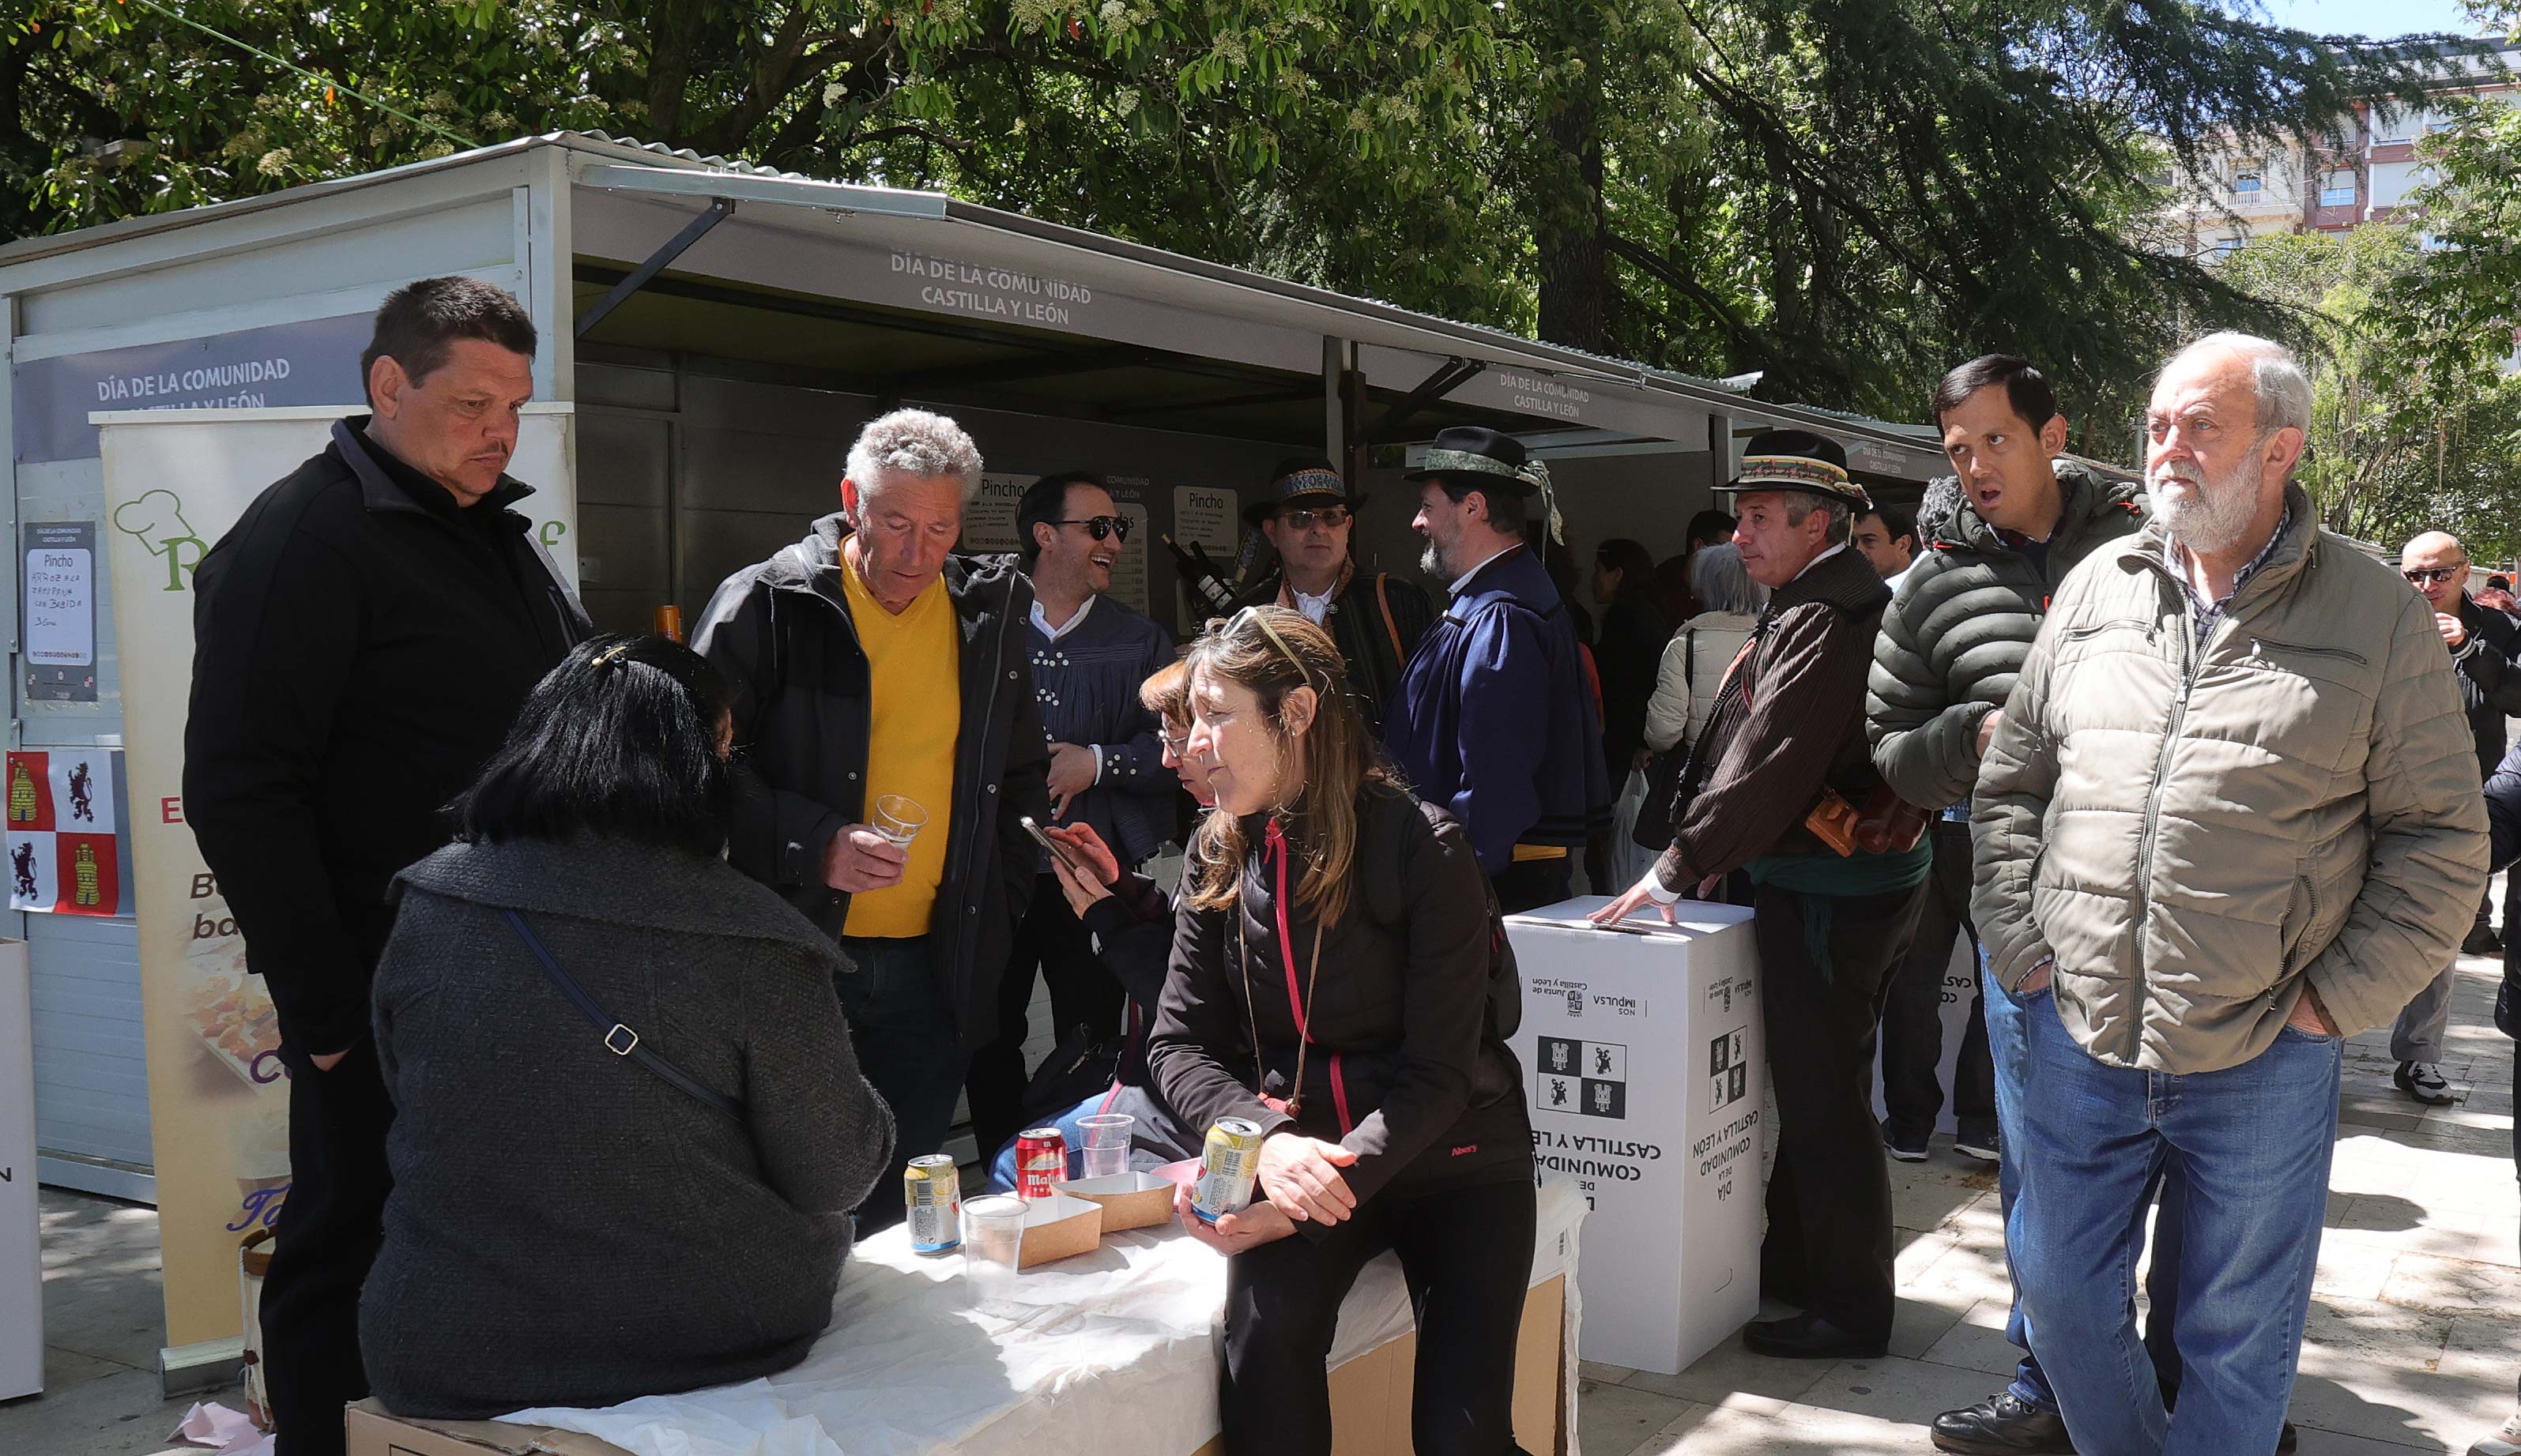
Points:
x=1333 y=517
x=2427 y=575
x=1103 y=527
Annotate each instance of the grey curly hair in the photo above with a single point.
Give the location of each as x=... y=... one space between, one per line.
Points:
x=914 y=442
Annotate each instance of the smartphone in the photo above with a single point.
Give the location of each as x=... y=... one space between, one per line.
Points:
x=1058 y=850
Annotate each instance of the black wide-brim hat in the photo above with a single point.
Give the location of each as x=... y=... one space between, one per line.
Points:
x=1476 y=455
x=1297 y=489
x=1798 y=460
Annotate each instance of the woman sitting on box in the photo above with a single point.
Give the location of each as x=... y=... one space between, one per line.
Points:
x=628 y=1126
x=1340 y=977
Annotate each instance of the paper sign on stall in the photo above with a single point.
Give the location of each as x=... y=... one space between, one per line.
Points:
x=63 y=852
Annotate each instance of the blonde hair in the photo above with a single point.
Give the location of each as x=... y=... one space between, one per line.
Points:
x=1272 y=652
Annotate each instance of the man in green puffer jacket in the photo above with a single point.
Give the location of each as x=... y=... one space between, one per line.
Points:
x=1998 y=537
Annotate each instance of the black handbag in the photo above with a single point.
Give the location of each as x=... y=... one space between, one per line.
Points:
x=1076 y=1070
x=1665 y=771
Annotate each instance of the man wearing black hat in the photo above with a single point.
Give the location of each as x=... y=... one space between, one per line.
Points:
x=1309 y=518
x=1783 y=759
x=1493 y=721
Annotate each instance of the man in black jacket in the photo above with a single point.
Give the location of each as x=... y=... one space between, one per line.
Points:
x=2481 y=646
x=362 y=638
x=870 y=665
x=1310 y=518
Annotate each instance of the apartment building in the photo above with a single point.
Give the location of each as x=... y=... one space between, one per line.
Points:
x=2364 y=172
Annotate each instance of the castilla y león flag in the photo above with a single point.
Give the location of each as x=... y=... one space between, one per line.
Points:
x=61 y=832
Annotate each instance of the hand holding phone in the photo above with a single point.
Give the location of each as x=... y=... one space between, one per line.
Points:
x=1058 y=850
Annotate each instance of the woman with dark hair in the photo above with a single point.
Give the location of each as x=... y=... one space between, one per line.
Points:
x=628 y=1123
x=1339 y=978
x=1630 y=648
x=1132 y=920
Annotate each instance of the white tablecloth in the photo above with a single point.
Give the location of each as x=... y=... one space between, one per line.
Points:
x=1118 y=1357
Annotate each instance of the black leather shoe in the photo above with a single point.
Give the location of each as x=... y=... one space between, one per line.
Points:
x=2288 y=1440
x=1809 y=1336
x=2003 y=1425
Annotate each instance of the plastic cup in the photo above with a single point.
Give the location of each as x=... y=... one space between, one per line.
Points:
x=899 y=818
x=993 y=1250
x=1106 y=1137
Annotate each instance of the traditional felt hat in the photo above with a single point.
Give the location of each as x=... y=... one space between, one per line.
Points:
x=1476 y=455
x=1799 y=460
x=1298 y=484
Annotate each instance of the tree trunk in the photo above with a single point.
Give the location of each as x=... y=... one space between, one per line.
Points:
x=1574 y=271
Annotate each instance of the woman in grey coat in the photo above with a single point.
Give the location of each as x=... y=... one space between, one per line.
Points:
x=572 y=1227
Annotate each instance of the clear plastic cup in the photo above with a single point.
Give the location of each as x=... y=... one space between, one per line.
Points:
x=899 y=818
x=993 y=1250
x=1106 y=1139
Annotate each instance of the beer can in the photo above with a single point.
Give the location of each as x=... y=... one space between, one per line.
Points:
x=1042 y=1160
x=1227 y=1168
x=932 y=1197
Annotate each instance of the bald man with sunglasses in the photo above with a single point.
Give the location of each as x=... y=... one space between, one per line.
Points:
x=2483 y=645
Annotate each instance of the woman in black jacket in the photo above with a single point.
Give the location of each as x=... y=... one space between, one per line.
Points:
x=1336 y=971
x=570 y=1225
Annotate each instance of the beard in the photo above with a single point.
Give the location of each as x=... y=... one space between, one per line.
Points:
x=1432 y=561
x=2209 y=514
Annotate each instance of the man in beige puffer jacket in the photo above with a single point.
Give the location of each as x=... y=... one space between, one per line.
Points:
x=2232 y=812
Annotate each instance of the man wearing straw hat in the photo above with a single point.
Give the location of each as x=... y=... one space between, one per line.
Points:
x=1768 y=789
x=1494 y=720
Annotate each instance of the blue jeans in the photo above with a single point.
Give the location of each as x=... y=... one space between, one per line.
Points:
x=2253 y=1142
x=907 y=1050
x=2005 y=1045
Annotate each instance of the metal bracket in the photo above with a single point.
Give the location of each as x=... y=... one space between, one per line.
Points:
x=1451 y=374
x=719 y=209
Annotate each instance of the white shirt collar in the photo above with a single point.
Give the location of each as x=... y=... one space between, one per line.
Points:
x=1041 y=620
x=1314 y=609
x=1466 y=578
x=1807 y=565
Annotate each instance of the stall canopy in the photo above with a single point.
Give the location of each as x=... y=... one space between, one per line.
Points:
x=898 y=293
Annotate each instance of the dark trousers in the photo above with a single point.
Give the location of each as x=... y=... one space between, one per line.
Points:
x=1466 y=1254
x=907 y=1051
x=1913 y=1009
x=330 y=1226
x=1084 y=992
x=1823 y=963
x=1529 y=883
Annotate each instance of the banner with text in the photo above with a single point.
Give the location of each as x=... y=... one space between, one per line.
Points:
x=174 y=483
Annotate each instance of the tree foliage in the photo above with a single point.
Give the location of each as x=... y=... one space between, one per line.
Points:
x=2404 y=437
x=1849 y=194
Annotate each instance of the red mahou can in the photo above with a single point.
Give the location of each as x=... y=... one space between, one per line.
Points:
x=1042 y=1160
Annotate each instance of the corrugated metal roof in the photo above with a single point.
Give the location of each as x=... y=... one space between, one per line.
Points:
x=766 y=183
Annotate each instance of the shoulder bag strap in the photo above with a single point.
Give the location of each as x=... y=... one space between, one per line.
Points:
x=1383 y=599
x=620 y=1040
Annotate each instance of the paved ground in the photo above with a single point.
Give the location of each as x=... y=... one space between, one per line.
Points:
x=2415 y=1333
x=2414 y=1343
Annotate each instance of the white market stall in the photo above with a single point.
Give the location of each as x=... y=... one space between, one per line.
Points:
x=718 y=333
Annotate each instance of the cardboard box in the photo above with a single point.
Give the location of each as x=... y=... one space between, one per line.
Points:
x=1646 y=1054
x=1370 y=1404
x=1060 y=1227
x=1130 y=1201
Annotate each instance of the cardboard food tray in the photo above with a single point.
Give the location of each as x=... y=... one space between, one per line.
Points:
x=1130 y=1201
x=1059 y=1227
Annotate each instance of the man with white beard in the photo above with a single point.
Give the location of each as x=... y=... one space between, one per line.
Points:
x=2231 y=816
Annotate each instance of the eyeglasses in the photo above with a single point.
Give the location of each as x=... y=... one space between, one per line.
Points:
x=2427 y=575
x=1331 y=517
x=1104 y=528
x=1176 y=743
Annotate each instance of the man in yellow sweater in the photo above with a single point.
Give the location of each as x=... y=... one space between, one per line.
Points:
x=889 y=745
